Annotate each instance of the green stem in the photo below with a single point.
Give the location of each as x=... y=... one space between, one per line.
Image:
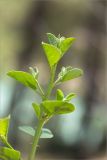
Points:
x=36 y=139
x=40 y=89
x=42 y=122
x=6 y=142
x=8 y=145
x=51 y=82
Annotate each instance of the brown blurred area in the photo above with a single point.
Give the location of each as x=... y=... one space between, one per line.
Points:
x=24 y=24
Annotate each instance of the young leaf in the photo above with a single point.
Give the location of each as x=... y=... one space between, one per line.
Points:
x=36 y=108
x=71 y=74
x=4 y=124
x=59 y=95
x=54 y=107
x=27 y=129
x=46 y=133
x=9 y=154
x=69 y=97
x=68 y=73
x=34 y=72
x=23 y=77
x=66 y=44
x=52 y=39
x=53 y=54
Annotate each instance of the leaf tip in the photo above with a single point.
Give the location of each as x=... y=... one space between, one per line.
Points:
x=48 y=33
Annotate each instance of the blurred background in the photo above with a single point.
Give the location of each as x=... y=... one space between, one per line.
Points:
x=24 y=24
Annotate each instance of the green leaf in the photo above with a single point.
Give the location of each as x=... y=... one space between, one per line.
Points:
x=27 y=129
x=69 y=96
x=53 y=54
x=9 y=154
x=68 y=73
x=23 y=77
x=46 y=133
x=54 y=107
x=66 y=44
x=4 y=124
x=52 y=39
x=59 y=95
x=36 y=109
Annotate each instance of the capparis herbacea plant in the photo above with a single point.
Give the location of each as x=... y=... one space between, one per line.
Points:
x=54 y=51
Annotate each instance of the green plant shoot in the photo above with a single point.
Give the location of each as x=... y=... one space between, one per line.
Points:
x=54 y=51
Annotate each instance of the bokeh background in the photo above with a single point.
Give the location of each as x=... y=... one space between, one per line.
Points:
x=23 y=25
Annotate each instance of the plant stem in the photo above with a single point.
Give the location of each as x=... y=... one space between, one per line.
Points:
x=8 y=145
x=36 y=139
x=50 y=85
x=41 y=90
x=42 y=122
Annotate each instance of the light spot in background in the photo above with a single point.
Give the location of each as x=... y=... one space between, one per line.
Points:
x=70 y=125
x=6 y=90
